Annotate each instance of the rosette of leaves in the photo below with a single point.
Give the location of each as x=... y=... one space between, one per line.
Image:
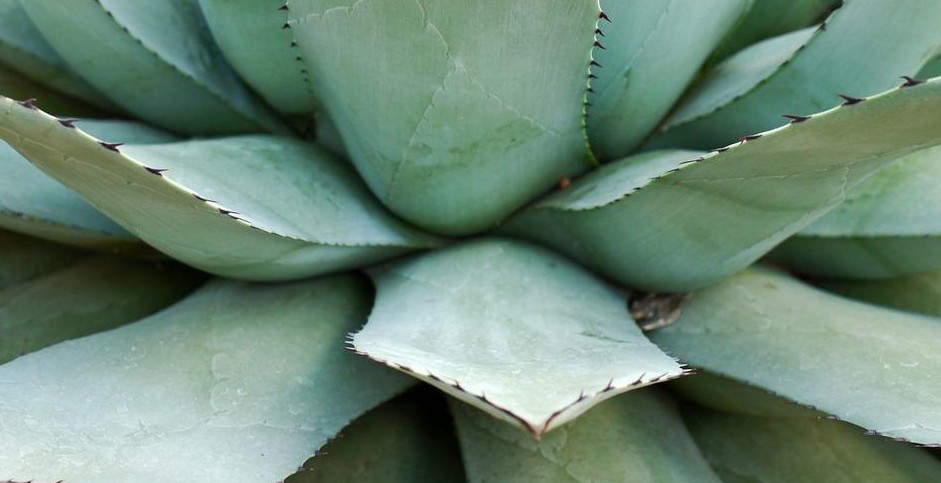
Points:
x=236 y=233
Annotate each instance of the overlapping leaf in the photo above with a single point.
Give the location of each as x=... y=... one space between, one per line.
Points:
x=669 y=221
x=637 y=437
x=917 y=293
x=872 y=367
x=256 y=207
x=516 y=330
x=156 y=59
x=399 y=442
x=93 y=295
x=748 y=449
x=34 y=204
x=440 y=135
x=237 y=383
x=889 y=226
x=802 y=73
x=24 y=258
x=24 y=49
x=652 y=50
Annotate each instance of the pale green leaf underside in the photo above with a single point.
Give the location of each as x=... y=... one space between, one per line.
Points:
x=24 y=258
x=254 y=207
x=156 y=59
x=250 y=34
x=35 y=204
x=752 y=449
x=511 y=328
x=237 y=383
x=807 y=76
x=637 y=437
x=96 y=294
x=673 y=222
x=25 y=50
x=442 y=113
x=652 y=52
x=872 y=367
x=916 y=293
x=889 y=226
x=398 y=442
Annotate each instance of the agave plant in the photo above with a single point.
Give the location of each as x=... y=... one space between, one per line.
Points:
x=236 y=233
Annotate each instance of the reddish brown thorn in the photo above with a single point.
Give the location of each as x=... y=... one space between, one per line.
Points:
x=156 y=171
x=822 y=27
x=598 y=44
x=911 y=81
x=592 y=76
x=849 y=101
x=293 y=44
x=286 y=26
x=28 y=103
x=200 y=198
x=604 y=16
x=595 y=63
x=111 y=146
x=750 y=137
x=69 y=123
x=564 y=183
x=227 y=212
x=599 y=33
x=795 y=119
x=283 y=7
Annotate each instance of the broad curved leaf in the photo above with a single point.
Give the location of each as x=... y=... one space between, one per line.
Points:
x=652 y=51
x=463 y=95
x=751 y=449
x=803 y=72
x=251 y=35
x=889 y=226
x=872 y=367
x=94 y=295
x=24 y=49
x=35 y=204
x=255 y=207
x=237 y=383
x=638 y=437
x=514 y=329
x=156 y=59
x=769 y=18
x=669 y=221
x=24 y=258
x=398 y=442
x=916 y=293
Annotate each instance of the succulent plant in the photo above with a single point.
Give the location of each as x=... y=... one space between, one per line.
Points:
x=490 y=241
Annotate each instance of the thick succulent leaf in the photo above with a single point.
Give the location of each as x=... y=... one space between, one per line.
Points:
x=769 y=18
x=889 y=226
x=752 y=449
x=916 y=293
x=873 y=367
x=430 y=94
x=15 y=85
x=250 y=34
x=669 y=221
x=156 y=59
x=96 y=294
x=398 y=442
x=932 y=68
x=237 y=383
x=514 y=329
x=24 y=258
x=652 y=51
x=35 y=204
x=732 y=396
x=638 y=437
x=25 y=50
x=255 y=207
x=803 y=72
